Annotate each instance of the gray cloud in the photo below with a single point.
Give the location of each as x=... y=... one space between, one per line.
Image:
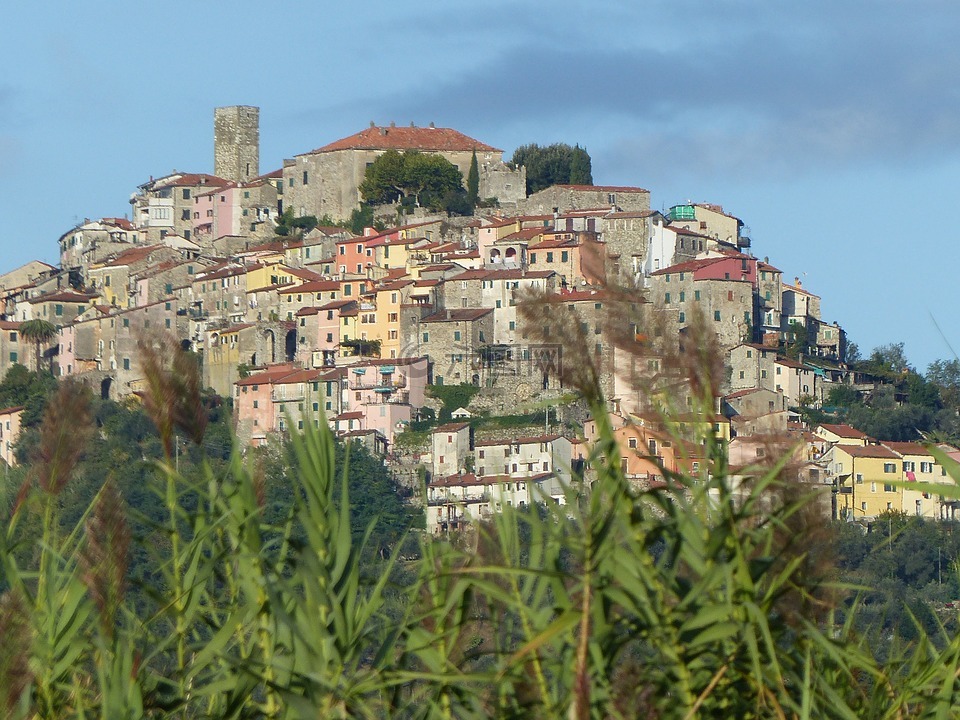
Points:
x=793 y=90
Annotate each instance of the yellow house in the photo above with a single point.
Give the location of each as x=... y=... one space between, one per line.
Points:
x=866 y=479
x=388 y=299
x=391 y=253
x=919 y=466
x=269 y=273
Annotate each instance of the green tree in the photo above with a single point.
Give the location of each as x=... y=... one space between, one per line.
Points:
x=473 y=182
x=39 y=332
x=797 y=340
x=418 y=178
x=290 y=225
x=556 y=164
x=581 y=172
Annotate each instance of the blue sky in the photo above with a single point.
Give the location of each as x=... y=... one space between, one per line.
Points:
x=831 y=127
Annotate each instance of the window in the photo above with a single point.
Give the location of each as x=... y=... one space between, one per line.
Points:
x=926 y=467
x=887 y=487
x=909 y=466
x=426 y=337
x=889 y=467
x=716 y=315
x=666 y=298
x=682 y=317
x=256 y=404
x=126 y=363
x=126 y=322
x=13 y=337
x=696 y=295
x=549 y=257
x=683 y=296
x=564 y=256
x=13 y=357
x=304 y=177
x=860 y=479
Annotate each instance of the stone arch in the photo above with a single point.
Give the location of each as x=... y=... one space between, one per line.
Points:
x=290 y=345
x=105 y=388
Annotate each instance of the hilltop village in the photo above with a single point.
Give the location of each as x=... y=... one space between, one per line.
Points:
x=301 y=321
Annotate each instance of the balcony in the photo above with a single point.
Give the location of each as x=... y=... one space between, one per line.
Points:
x=399 y=398
x=378 y=383
x=465 y=500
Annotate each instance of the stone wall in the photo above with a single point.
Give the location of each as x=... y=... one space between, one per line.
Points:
x=236 y=142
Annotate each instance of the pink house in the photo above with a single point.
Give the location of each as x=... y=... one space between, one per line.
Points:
x=217 y=212
x=386 y=392
x=9 y=432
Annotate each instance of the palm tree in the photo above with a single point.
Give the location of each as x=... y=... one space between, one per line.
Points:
x=40 y=332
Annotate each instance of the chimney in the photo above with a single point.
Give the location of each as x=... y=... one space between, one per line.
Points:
x=372 y=124
x=393 y=124
x=432 y=126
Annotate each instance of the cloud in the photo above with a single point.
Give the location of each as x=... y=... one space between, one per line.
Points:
x=831 y=87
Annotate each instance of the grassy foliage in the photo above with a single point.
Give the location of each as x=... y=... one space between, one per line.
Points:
x=699 y=598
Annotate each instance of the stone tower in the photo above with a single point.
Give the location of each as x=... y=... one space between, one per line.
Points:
x=236 y=142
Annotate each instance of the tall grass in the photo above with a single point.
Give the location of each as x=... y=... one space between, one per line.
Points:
x=694 y=599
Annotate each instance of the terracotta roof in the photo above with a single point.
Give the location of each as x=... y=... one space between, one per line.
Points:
x=356 y=415
x=525 y=234
x=845 y=431
x=451 y=427
x=692 y=265
x=121 y=223
x=467 y=479
x=186 y=179
x=71 y=297
x=871 y=451
x=907 y=448
x=266 y=377
x=133 y=255
x=431 y=139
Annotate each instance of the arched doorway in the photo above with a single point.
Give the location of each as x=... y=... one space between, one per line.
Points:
x=290 y=345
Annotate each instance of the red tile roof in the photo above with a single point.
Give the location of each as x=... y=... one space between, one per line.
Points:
x=431 y=139
x=871 y=451
x=844 y=431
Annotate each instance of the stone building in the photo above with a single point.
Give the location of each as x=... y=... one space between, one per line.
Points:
x=236 y=142
x=563 y=198
x=165 y=206
x=326 y=181
x=94 y=240
x=454 y=340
